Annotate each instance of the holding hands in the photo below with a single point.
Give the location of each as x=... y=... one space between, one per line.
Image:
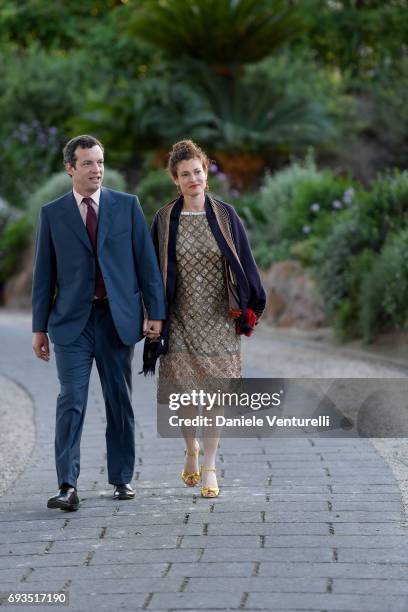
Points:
x=152 y=329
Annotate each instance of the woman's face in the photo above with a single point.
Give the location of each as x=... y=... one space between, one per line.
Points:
x=191 y=177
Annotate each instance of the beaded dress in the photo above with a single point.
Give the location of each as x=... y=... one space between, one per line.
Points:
x=202 y=338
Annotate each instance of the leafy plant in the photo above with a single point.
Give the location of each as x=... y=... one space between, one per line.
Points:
x=255 y=110
x=355 y=37
x=256 y=114
x=384 y=290
x=347 y=317
x=13 y=242
x=217 y=32
x=39 y=92
x=155 y=190
x=278 y=191
x=297 y=207
x=389 y=121
x=315 y=205
x=346 y=240
x=357 y=263
x=384 y=208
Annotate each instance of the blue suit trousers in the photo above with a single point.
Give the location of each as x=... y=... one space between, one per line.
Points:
x=100 y=341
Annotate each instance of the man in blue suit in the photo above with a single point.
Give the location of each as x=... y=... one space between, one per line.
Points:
x=94 y=264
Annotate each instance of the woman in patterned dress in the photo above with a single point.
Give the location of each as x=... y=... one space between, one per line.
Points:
x=199 y=242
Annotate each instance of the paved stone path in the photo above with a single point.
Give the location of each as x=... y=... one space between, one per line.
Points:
x=300 y=524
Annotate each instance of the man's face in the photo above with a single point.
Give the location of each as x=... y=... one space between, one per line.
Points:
x=87 y=174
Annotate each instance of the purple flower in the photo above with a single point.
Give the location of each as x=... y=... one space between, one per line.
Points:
x=42 y=140
x=235 y=193
x=213 y=169
x=306 y=229
x=21 y=136
x=222 y=177
x=21 y=133
x=315 y=207
x=348 y=195
x=336 y=204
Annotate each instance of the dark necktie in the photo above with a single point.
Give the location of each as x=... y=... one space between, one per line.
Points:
x=91 y=227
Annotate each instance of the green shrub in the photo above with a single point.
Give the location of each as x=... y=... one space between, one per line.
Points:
x=358 y=277
x=332 y=261
x=13 y=242
x=155 y=190
x=220 y=188
x=39 y=93
x=316 y=203
x=305 y=250
x=389 y=117
x=15 y=233
x=347 y=320
x=384 y=208
x=247 y=207
x=296 y=207
x=344 y=320
x=352 y=275
x=277 y=194
x=61 y=183
x=5 y=213
x=266 y=255
x=384 y=290
x=266 y=215
x=341 y=239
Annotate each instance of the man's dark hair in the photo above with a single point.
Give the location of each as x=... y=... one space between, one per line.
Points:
x=84 y=142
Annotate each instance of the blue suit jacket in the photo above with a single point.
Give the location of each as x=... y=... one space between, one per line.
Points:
x=64 y=268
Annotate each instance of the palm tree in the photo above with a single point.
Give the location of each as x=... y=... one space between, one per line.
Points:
x=221 y=33
x=255 y=114
x=207 y=93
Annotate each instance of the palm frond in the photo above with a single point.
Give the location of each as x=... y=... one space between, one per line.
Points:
x=217 y=31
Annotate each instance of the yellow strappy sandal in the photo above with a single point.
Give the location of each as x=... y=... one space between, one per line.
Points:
x=191 y=479
x=208 y=491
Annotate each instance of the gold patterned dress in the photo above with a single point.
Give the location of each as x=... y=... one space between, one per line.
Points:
x=202 y=338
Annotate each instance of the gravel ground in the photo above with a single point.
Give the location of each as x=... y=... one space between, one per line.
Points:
x=17 y=433
x=395 y=453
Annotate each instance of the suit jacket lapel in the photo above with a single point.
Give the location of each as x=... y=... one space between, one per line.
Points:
x=70 y=213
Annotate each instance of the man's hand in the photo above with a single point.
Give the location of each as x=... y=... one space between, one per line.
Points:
x=152 y=329
x=41 y=346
